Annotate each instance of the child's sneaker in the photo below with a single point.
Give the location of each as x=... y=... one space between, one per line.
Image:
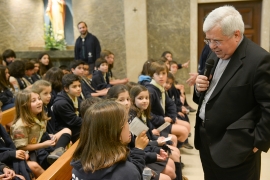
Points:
x=53 y=156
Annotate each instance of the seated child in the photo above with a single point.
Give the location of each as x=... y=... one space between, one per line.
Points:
x=66 y=106
x=109 y=157
x=100 y=79
x=44 y=89
x=17 y=71
x=8 y=57
x=162 y=107
x=35 y=76
x=29 y=130
x=65 y=69
x=12 y=157
x=109 y=57
x=29 y=71
x=6 y=89
x=6 y=173
x=87 y=89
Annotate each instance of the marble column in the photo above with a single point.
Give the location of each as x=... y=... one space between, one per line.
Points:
x=135 y=37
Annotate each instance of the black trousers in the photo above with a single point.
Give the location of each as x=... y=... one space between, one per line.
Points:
x=248 y=170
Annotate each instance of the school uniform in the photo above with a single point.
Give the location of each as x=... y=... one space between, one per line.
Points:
x=120 y=171
x=7 y=98
x=174 y=94
x=157 y=111
x=51 y=127
x=35 y=77
x=66 y=115
x=22 y=83
x=100 y=81
x=87 y=88
x=23 y=135
x=8 y=155
x=28 y=80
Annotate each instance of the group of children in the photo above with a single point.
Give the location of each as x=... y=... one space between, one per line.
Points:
x=54 y=111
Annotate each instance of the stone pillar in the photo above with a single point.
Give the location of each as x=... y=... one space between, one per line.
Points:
x=135 y=37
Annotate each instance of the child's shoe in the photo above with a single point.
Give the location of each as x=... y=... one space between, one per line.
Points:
x=53 y=156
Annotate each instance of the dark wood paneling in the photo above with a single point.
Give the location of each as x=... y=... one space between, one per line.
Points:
x=250 y=11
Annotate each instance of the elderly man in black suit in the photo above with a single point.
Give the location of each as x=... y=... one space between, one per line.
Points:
x=233 y=121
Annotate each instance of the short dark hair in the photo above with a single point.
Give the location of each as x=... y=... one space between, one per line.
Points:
x=99 y=61
x=85 y=104
x=8 y=53
x=68 y=79
x=29 y=65
x=17 y=69
x=82 y=22
x=170 y=76
x=164 y=53
x=63 y=67
x=76 y=63
x=173 y=62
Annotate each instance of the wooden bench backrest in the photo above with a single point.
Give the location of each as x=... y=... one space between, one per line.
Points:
x=60 y=169
x=8 y=116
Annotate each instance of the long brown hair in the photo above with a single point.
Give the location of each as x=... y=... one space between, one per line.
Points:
x=44 y=68
x=4 y=83
x=134 y=92
x=54 y=76
x=23 y=109
x=100 y=146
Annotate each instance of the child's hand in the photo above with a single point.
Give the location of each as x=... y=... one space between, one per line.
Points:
x=48 y=143
x=159 y=140
x=141 y=140
x=160 y=158
x=167 y=119
x=9 y=173
x=156 y=132
x=163 y=153
x=3 y=177
x=181 y=114
x=185 y=65
x=20 y=154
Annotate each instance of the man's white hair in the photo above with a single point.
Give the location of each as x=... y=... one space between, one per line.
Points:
x=227 y=17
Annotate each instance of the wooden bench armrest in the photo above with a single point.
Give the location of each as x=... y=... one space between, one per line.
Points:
x=8 y=116
x=61 y=168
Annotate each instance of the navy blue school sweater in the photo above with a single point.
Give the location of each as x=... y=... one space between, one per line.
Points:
x=157 y=111
x=98 y=81
x=87 y=88
x=65 y=116
x=131 y=169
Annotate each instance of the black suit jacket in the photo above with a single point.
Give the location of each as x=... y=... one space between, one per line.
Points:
x=237 y=115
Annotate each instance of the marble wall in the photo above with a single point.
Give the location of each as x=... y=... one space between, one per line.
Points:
x=21 y=24
x=169 y=29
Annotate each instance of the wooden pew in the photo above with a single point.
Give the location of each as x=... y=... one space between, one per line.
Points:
x=60 y=169
x=8 y=116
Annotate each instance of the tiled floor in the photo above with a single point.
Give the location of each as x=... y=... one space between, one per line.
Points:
x=193 y=169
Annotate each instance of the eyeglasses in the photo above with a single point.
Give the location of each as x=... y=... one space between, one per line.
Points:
x=209 y=41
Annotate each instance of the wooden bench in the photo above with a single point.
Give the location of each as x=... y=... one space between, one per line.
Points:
x=8 y=116
x=60 y=169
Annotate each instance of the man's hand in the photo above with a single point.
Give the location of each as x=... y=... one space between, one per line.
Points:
x=202 y=83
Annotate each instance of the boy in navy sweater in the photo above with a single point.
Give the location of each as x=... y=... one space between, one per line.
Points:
x=66 y=106
x=77 y=68
x=163 y=108
x=100 y=79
